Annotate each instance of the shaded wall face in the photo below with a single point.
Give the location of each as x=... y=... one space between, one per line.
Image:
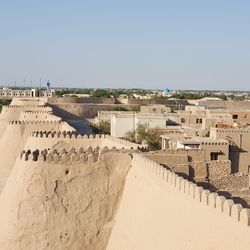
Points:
x=221 y=150
x=239 y=150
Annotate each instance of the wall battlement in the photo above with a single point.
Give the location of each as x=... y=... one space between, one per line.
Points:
x=38 y=111
x=231 y=130
x=35 y=122
x=27 y=106
x=198 y=194
x=75 y=135
x=65 y=156
x=64 y=134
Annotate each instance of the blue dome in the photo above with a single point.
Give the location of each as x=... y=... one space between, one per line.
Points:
x=166 y=90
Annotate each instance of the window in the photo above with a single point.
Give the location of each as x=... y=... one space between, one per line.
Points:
x=245 y=116
x=214 y=156
x=198 y=121
x=235 y=116
x=182 y=120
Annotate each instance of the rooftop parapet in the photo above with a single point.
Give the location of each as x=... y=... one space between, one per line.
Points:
x=224 y=206
x=231 y=130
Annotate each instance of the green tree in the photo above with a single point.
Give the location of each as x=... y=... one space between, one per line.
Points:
x=101 y=93
x=103 y=127
x=143 y=133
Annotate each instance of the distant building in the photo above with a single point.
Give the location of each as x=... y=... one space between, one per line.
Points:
x=122 y=123
x=10 y=93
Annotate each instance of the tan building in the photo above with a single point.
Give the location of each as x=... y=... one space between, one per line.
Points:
x=239 y=150
x=215 y=149
x=156 y=108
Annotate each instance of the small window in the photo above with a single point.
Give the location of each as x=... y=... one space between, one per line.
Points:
x=198 y=121
x=182 y=120
x=245 y=116
x=214 y=156
x=235 y=117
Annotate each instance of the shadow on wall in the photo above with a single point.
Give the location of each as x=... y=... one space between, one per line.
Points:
x=185 y=176
x=226 y=194
x=81 y=125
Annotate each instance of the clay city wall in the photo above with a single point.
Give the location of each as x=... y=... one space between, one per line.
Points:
x=161 y=210
x=197 y=193
x=40 y=116
x=65 y=204
x=50 y=138
x=14 y=139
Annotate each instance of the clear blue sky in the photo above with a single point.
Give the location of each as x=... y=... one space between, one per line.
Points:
x=180 y=44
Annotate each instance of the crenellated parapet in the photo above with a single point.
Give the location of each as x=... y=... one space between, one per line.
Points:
x=203 y=196
x=46 y=111
x=64 y=134
x=74 y=135
x=63 y=155
x=35 y=122
x=28 y=107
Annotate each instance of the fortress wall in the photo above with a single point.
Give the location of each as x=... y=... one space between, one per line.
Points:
x=39 y=116
x=55 y=205
x=160 y=210
x=13 y=113
x=14 y=139
x=47 y=139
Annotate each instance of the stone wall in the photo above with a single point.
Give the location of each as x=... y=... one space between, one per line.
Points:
x=218 y=169
x=235 y=182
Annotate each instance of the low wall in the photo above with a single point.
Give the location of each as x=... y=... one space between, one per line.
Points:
x=63 y=100
x=235 y=182
x=82 y=110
